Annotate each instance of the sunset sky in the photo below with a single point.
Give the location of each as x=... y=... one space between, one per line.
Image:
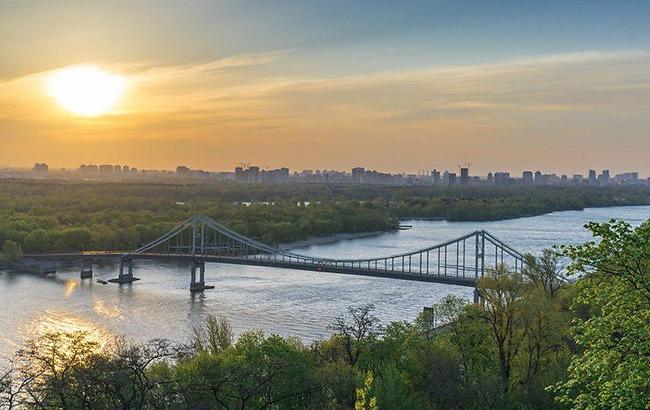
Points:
x=559 y=86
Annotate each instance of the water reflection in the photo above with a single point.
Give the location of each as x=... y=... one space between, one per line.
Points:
x=54 y=322
x=70 y=286
x=107 y=311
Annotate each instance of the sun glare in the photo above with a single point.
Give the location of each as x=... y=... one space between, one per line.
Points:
x=87 y=90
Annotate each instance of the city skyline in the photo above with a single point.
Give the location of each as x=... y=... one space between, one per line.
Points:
x=306 y=85
x=251 y=173
x=454 y=167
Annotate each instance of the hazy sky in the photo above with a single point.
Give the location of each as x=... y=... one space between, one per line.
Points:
x=393 y=85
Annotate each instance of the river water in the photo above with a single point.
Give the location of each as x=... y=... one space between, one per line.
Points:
x=281 y=301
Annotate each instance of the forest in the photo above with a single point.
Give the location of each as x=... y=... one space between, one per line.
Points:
x=50 y=215
x=534 y=341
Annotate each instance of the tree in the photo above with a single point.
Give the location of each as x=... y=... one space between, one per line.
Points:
x=214 y=336
x=613 y=371
x=50 y=364
x=11 y=253
x=544 y=271
x=433 y=320
x=13 y=386
x=502 y=293
x=355 y=328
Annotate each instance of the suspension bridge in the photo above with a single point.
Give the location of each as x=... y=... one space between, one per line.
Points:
x=200 y=239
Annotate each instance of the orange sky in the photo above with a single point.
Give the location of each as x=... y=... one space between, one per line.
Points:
x=560 y=111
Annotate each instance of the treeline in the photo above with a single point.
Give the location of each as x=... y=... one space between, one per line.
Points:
x=47 y=216
x=534 y=342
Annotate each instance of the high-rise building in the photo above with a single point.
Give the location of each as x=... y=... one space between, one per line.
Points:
x=182 y=171
x=435 y=176
x=106 y=169
x=452 y=178
x=538 y=177
x=502 y=178
x=358 y=174
x=88 y=169
x=41 y=168
x=592 y=177
x=464 y=176
x=603 y=178
x=254 y=175
x=239 y=174
x=527 y=177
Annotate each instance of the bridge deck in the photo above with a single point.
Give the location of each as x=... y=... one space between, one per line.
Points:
x=200 y=239
x=381 y=273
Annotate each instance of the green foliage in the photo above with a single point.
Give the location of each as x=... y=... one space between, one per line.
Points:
x=214 y=336
x=613 y=370
x=49 y=216
x=11 y=253
x=364 y=400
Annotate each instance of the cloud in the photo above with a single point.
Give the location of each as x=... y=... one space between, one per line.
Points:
x=242 y=103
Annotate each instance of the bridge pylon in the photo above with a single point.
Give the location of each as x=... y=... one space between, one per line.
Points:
x=125 y=277
x=86 y=270
x=198 y=285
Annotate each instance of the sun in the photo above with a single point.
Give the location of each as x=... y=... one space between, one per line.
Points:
x=86 y=90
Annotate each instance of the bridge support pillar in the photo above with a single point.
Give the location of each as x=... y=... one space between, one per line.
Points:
x=125 y=277
x=86 y=270
x=477 y=296
x=198 y=286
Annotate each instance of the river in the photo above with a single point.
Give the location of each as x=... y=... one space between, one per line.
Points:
x=286 y=302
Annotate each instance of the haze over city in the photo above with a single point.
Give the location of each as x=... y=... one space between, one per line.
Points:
x=398 y=87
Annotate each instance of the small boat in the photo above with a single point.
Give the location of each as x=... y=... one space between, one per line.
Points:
x=405 y=227
x=102 y=281
x=49 y=271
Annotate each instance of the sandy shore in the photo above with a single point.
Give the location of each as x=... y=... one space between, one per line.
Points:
x=321 y=240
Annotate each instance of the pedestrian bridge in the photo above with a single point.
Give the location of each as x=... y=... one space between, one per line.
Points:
x=200 y=239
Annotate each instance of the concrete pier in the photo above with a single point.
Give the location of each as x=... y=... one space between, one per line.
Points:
x=122 y=277
x=198 y=285
x=86 y=270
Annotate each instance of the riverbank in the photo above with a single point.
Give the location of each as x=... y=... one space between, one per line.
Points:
x=324 y=240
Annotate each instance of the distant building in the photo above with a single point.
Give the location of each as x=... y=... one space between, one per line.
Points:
x=106 y=169
x=604 y=177
x=41 y=168
x=538 y=177
x=90 y=169
x=435 y=176
x=464 y=176
x=182 y=171
x=451 y=178
x=592 y=177
x=527 y=177
x=358 y=175
x=502 y=178
x=254 y=175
